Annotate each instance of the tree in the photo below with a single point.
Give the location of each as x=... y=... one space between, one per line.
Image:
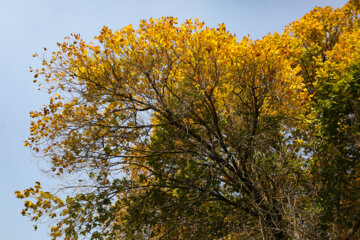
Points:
x=183 y=132
x=330 y=66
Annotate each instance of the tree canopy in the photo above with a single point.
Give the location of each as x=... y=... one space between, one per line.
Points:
x=181 y=131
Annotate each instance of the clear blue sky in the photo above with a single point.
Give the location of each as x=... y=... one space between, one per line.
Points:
x=26 y=26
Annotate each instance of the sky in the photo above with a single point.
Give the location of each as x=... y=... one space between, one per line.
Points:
x=26 y=26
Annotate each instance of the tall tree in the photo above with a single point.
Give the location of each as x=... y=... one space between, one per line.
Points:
x=330 y=66
x=183 y=132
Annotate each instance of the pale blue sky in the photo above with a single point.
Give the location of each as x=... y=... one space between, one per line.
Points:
x=26 y=26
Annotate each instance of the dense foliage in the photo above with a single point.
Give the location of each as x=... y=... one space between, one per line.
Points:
x=183 y=132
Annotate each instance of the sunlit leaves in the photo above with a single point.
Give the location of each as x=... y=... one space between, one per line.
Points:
x=176 y=130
